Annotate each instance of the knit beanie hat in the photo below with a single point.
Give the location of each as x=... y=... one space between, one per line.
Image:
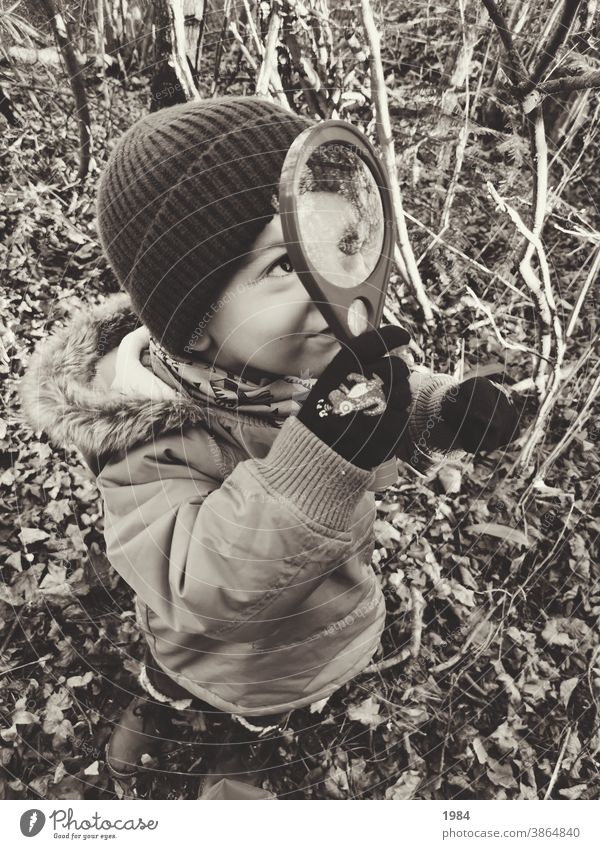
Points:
x=185 y=193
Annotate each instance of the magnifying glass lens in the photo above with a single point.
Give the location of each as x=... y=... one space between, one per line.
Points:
x=340 y=215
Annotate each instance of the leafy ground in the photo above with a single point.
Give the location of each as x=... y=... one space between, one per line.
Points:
x=504 y=691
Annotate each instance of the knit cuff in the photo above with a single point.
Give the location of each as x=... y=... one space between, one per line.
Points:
x=426 y=410
x=323 y=485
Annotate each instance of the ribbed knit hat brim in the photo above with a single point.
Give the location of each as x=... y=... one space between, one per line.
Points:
x=184 y=195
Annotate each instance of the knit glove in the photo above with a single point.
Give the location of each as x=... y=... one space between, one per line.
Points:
x=475 y=415
x=358 y=406
x=480 y=416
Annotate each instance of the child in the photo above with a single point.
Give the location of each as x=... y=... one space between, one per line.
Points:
x=240 y=515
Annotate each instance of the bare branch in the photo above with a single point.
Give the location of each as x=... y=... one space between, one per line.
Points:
x=555 y=41
x=275 y=84
x=511 y=346
x=542 y=293
x=386 y=143
x=552 y=338
x=180 y=61
x=565 y=85
x=517 y=72
x=268 y=62
x=539 y=157
x=470 y=37
x=462 y=255
x=576 y=425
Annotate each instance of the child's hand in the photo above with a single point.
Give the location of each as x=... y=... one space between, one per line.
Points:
x=480 y=417
x=359 y=404
x=131 y=377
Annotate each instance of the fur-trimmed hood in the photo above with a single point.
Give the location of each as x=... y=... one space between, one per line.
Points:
x=58 y=396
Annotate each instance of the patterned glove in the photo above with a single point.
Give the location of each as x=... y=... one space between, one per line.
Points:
x=358 y=406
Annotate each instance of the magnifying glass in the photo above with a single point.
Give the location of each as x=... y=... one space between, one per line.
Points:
x=337 y=219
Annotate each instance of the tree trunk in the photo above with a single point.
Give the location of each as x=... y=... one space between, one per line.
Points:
x=194 y=12
x=182 y=62
x=65 y=45
x=166 y=90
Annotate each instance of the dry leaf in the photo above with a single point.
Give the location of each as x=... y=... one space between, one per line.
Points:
x=450 y=476
x=479 y=750
x=574 y=792
x=503 y=532
x=566 y=631
x=566 y=689
x=386 y=534
x=58 y=510
x=59 y=773
x=366 y=712
x=336 y=783
x=80 y=680
x=24 y=717
x=63 y=733
x=30 y=535
x=462 y=594
x=406 y=786
x=501 y=774
x=505 y=738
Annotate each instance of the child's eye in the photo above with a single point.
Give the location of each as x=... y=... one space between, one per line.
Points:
x=282 y=263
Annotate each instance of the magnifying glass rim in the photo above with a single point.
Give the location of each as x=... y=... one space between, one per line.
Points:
x=317 y=284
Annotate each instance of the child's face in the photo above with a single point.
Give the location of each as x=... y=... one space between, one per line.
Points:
x=268 y=322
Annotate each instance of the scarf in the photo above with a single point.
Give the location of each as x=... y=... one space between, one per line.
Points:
x=274 y=397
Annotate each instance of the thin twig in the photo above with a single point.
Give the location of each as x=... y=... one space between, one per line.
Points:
x=511 y=346
x=468 y=45
x=8 y=636
x=275 y=80
x=24 y=665
x=250 y=23
x=556 y=769
x=582 y=294
x=387 y=664
x=591 y=666
x=552 y=335
x=576 y=425
x=418 y=606
x=464 y=256
x=386 y=143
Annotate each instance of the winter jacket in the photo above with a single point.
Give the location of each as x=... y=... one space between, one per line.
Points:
x=248 y=546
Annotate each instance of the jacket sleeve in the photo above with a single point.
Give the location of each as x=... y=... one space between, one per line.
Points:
x=228 y=558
